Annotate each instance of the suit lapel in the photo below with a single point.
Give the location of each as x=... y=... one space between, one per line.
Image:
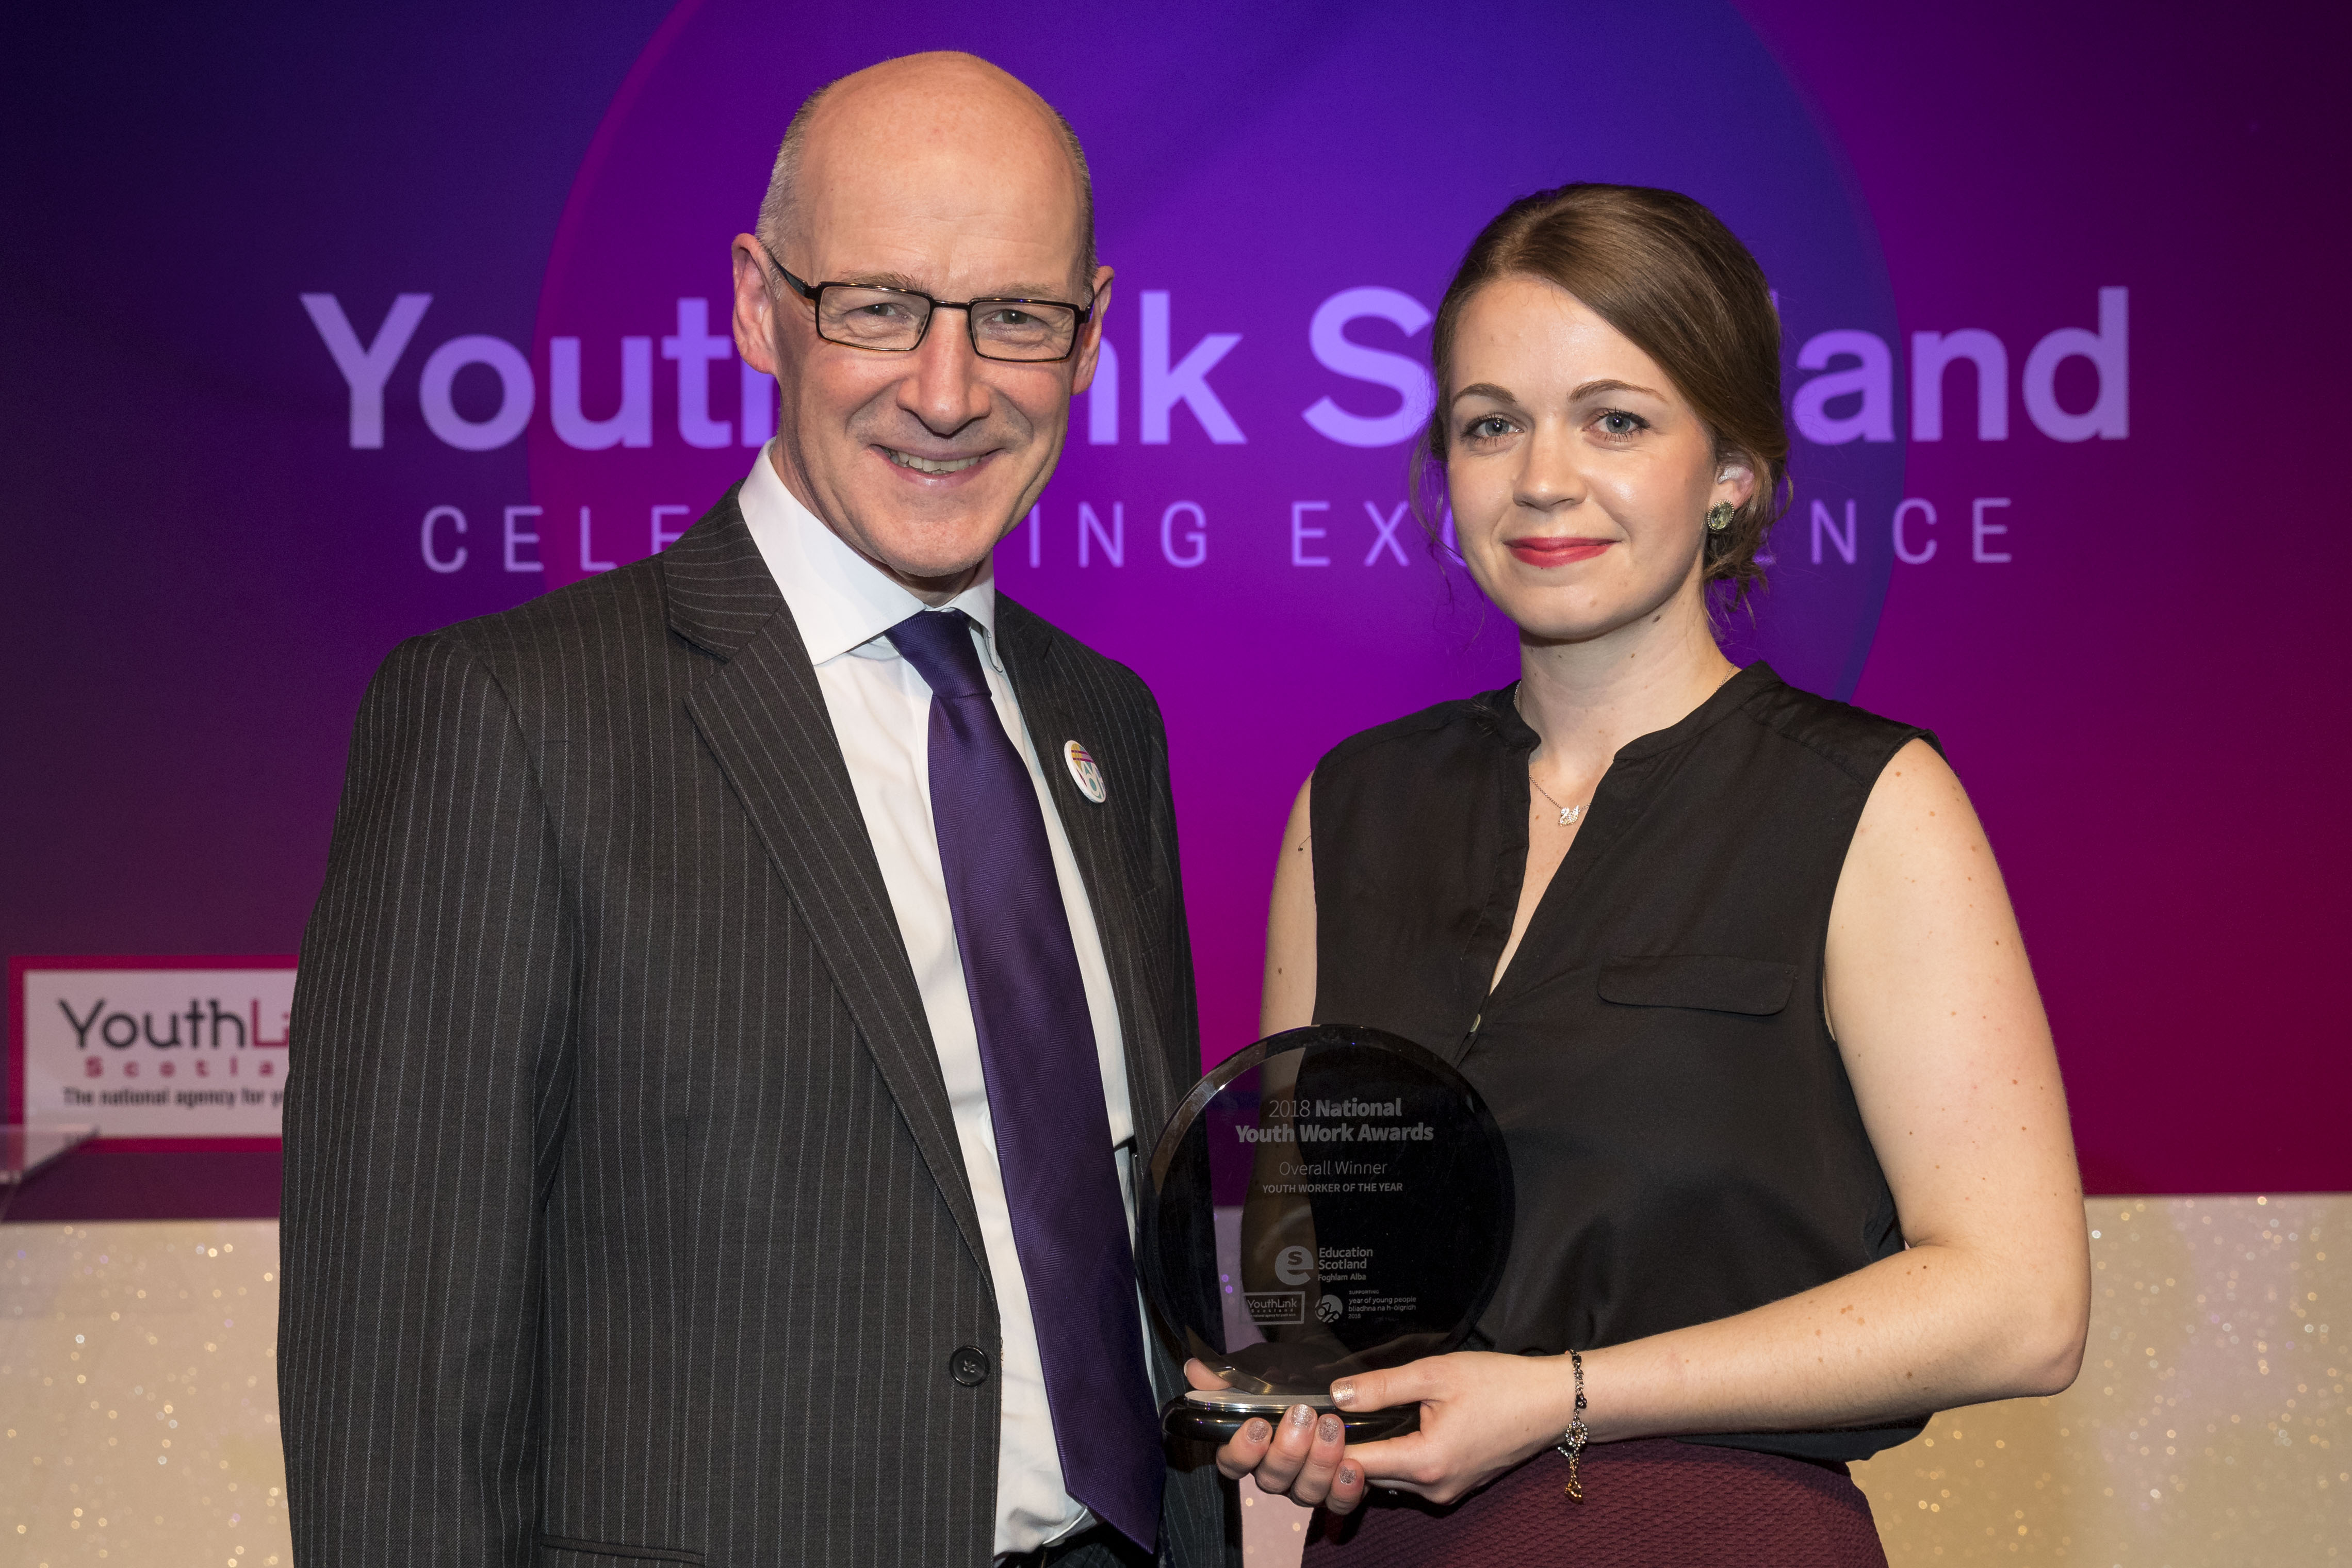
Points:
x=763 y=716
x=1054 y=711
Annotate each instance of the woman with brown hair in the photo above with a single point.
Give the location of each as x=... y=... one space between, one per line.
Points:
x=1731 y=963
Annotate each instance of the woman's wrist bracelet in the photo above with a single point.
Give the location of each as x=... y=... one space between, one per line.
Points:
x=1572 y=1443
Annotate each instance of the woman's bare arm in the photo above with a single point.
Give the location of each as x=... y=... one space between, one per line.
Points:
x=1288 y=1000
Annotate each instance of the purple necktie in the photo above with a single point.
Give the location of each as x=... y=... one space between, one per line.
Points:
x=1045 y=1087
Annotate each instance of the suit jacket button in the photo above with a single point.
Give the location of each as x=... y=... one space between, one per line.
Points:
x=969 y=1365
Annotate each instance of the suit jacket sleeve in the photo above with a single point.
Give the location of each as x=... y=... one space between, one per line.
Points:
x=423 y=1117
x=1199 y=1522
x=1184 y=1025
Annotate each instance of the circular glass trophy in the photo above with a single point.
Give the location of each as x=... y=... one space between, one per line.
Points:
x=1331 y=1200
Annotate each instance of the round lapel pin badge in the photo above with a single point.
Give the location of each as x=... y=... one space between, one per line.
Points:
x=1084 y=772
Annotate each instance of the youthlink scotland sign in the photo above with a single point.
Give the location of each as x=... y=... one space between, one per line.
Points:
x=147 y=1049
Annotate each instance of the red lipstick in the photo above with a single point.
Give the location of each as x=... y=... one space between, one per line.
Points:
x=1556 y=551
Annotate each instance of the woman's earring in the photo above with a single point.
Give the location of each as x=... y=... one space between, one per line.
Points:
x=1718 y=516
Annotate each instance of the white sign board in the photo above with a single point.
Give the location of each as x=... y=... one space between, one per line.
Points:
x=153 y=1047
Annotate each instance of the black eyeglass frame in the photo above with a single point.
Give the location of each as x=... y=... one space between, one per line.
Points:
x=814 y=294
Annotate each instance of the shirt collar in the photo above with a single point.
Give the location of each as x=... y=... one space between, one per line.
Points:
x=841 y=602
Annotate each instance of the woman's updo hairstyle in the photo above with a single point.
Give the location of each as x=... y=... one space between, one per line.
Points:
x=1664 y=270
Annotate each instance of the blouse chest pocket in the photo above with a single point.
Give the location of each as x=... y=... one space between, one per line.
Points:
x=1715 y=983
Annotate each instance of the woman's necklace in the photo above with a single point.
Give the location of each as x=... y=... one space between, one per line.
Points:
x=1571 y=814
x=1568 y=813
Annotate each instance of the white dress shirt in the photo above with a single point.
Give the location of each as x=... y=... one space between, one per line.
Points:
x=881 y=712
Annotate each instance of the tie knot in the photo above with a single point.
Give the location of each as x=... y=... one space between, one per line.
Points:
x=938 y=642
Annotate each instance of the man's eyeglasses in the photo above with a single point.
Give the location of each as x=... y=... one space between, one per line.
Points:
x=893 y=320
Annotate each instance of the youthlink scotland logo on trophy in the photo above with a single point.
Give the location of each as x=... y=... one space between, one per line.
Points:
x=1331 y=1200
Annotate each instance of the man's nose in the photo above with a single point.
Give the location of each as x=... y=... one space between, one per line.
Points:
x=945 y=389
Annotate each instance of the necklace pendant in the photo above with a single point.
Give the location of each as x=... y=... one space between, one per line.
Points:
x=1569 y=814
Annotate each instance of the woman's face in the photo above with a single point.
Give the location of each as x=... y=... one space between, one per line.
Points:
x=1581 y=479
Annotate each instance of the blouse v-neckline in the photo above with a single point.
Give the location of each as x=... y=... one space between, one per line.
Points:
x=1619 y=787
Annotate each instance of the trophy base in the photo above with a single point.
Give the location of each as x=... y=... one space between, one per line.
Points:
x=1215 y=1416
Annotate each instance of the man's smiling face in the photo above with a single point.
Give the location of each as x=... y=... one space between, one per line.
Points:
x=938 y=174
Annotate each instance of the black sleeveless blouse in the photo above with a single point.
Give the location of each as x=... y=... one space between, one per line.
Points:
x=1685 y=1142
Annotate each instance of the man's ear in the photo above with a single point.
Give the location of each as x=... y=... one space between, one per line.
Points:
x=755 y=307
x=1090 y=340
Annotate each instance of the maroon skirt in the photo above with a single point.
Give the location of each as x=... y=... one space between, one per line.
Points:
x=1656 y=1503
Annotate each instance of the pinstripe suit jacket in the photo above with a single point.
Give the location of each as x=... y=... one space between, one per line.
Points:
x=624 y=1216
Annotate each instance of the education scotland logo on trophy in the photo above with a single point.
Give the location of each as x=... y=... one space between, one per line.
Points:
x=1331 y=1200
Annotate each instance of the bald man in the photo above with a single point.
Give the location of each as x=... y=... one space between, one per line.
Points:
x=744 y=979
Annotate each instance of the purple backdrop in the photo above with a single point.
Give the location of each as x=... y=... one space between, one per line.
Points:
x=2097 y=584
